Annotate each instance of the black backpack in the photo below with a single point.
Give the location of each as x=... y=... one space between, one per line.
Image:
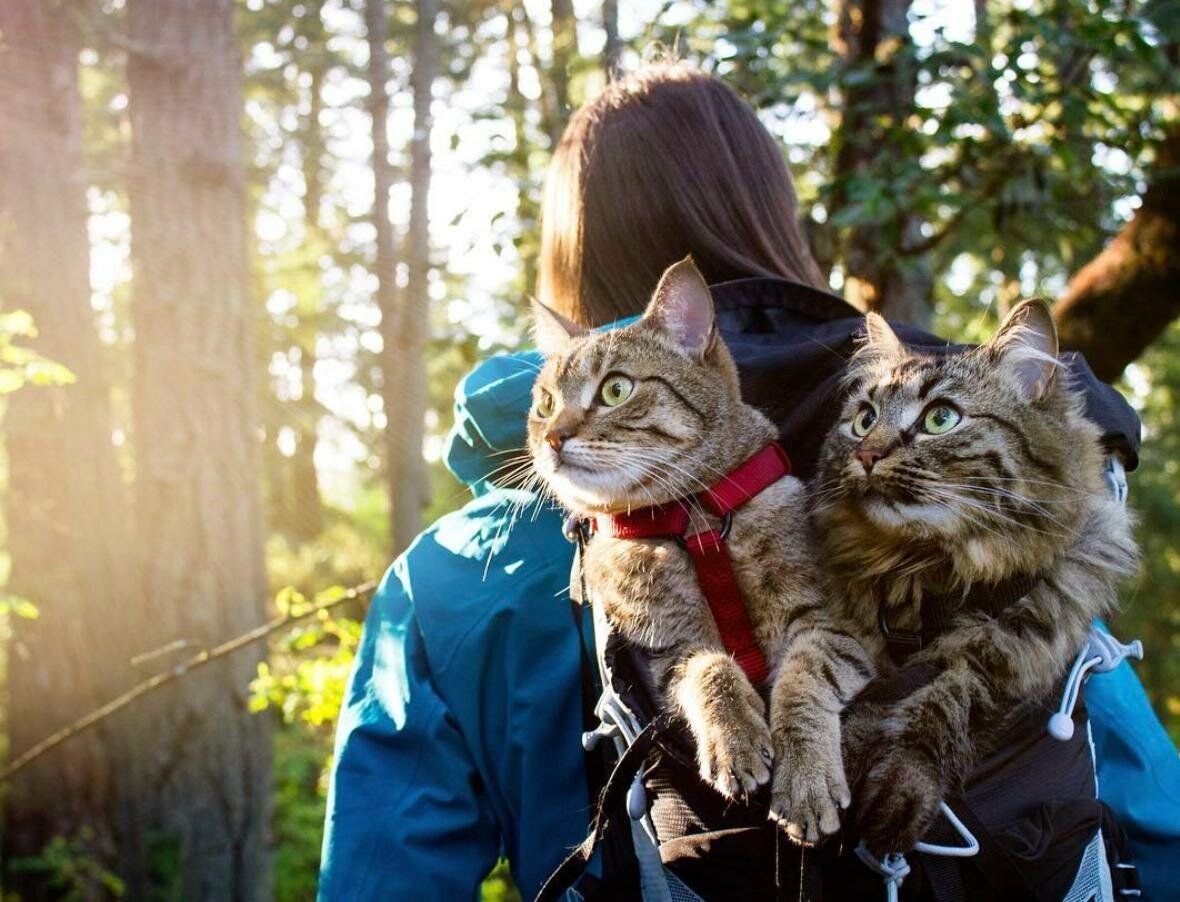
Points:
x=660 y=833
x=1027 y=825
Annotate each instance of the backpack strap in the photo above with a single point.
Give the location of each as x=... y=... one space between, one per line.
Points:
x=938 y=611
x=611 y=799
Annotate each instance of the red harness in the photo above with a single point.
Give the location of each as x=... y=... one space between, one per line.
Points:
x=707 y=548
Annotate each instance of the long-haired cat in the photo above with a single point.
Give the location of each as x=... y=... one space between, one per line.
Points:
x=651 y=414
x=956 y=476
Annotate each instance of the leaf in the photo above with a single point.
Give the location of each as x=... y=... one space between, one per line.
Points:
x=46 y=372
x=10 y=380
x=17 y=322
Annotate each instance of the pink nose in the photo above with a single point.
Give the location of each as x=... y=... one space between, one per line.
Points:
x=868 y=457
x=556 y=438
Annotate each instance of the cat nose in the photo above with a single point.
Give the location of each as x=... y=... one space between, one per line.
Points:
x=556 y=438
x=868 y=457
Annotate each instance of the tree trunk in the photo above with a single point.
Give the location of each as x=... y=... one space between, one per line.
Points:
x=1122 y=300
x=612 y=48
x=564 y=31
x=377 y=28
x=516 y=106
x=65 y=507
x=202 y=763
x=404 y=325
x=307 y=508
x=875 y=34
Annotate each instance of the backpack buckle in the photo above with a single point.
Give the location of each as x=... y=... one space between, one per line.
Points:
x=901 y=642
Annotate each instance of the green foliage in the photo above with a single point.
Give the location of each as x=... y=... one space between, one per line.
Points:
x=20 y=365
x=72 y=869
x=498 y=887
x=1018 y=142
x=300 y=800
x=16 y=606
x=1152 y=606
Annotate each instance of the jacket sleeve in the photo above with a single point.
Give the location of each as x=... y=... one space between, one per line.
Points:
x=405 y=804
x=1138 y=775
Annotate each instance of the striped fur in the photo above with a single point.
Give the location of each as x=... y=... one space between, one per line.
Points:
x=683 y=427
x=1015 y=488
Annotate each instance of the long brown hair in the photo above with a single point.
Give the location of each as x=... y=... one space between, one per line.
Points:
x=665 y=162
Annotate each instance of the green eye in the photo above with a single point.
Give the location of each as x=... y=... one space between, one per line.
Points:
x=544 y=408
x=941 y=418
x=616 y=388
x=864 y=421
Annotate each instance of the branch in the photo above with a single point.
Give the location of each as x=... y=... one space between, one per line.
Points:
x=1122 y=300
x=169 y=676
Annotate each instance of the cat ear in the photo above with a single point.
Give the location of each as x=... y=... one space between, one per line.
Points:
x=682 y=308
x=1026 y=345
x=880 y=339
x=552 y=331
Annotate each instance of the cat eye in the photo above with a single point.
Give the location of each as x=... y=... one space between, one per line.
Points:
x=940 y=418
x=544 y=408
x=616 y=388
x=864 y=421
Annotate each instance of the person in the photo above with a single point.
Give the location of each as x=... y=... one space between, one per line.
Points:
x=459 y=738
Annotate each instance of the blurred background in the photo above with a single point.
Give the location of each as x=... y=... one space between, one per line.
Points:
x=248 y=248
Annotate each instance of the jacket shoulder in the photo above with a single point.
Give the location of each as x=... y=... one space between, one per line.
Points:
x=488 y=558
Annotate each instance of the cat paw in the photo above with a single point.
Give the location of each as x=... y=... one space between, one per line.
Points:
x=808 y=796
x=898 y=801
x=735 y=753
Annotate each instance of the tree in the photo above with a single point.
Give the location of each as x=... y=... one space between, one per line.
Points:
x=65 y=505
x=200 y=765
x=612 y=47
x=404 y=367
x=564 y=36
x=385 y=262
x=874 y=39
x=1123 y=300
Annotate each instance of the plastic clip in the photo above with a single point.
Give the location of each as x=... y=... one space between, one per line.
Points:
x=1101 y=654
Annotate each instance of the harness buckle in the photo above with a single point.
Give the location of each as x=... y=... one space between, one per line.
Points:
x=904 y=641
x=726 y=525
x=720 y=534
x=576 y=529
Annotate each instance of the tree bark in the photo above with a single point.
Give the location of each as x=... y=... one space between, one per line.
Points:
x=377 y=27
x=612 y=48
x=201 y=763
x=65 y=505
x=873 y=34
x=404 y=320
x=1122 y=300
x=516 y=106
x=564 y=34
x=307 y=509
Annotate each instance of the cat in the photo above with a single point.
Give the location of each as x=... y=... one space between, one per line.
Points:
x=652 y=413
x=944 y=474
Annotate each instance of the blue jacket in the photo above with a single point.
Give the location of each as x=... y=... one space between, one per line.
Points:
x=458 y=741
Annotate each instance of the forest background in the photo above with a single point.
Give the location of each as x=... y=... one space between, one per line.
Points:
x=248 y=248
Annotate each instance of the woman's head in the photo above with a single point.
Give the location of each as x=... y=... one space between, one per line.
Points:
x=664 y=163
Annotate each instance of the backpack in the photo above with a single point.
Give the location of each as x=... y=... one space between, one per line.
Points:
x=1027 y=824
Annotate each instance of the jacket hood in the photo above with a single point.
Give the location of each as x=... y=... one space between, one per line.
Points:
x=491 y=408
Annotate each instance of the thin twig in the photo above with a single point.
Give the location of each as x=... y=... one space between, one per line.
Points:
x=175 y=645
x=162 y=679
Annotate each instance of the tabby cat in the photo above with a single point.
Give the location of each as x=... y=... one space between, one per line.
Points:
x=650 y=414
x=945 y=475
